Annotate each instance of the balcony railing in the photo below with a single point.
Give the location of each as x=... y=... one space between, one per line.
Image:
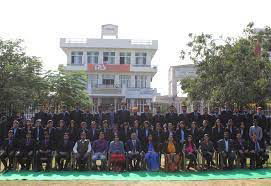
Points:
x=107 y=86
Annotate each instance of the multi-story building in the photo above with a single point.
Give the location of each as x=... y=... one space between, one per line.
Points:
x=118 y=69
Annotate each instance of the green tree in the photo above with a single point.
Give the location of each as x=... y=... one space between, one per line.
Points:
x=232 y=70
x=68 y=88
x=21 y=80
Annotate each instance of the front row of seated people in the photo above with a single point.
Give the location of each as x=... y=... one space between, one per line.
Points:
x=132 y=155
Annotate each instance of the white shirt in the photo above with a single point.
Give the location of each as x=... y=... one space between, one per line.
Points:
x=76 y=145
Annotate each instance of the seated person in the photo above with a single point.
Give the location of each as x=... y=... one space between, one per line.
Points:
x=117 y=154
x=25 y=154
x=100 y=148
x=190 y=151
x=241 y=148
x=63 y=151
x=134 y=149
x=82 y=150
x=257 y=152
x=207 y=150
x=172 y=152
x=44 y=152
x=226 y=150
x=8 y=149
x=151 y=156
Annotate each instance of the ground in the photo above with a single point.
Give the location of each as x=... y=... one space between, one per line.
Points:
x=258 y=182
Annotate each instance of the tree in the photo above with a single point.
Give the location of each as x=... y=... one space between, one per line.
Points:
x=21 y=80
x=68 y=88
x=236 y=71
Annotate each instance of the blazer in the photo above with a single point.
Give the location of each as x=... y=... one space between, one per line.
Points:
x=205 y=148
x=130 y=147
x=222 y=146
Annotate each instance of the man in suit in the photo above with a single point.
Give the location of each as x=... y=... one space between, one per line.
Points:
x=60 y=130
x=124 y=133
x=51 y=115
x=207 y=150
x=145 y=132
x=123 y=114
x=42 y=116
x=158 y=117
x=108 y=135
x=66 y=117
x=255 y=129
x=205 y=129
x=134 y=117
x=194 y=132
x=184 y=116
x=181 y=134
x=194 y=116
x=100 y=116
x=77 y=114
x=216 y=115
x=87 y=117
x=146 y=115
x=51 y=131
x=226 y=150
x=136 y=129
x=17 y=132
x=172 y=116
x=8 y=149
x=63 y=151
x=134 y=150
x=231 y=129
x=241 y=148
x=111 y=117
x=38 y=132
x=226 y=114
x=93 y=132
x=206 y=116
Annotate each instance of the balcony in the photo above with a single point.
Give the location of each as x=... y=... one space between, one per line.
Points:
x=143 y=68
x=75 y=67
x=105 y=90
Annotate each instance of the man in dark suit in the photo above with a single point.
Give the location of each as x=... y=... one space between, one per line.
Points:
x=38 y=132
x=181 y=134
x=134 y=150
x=226 y=150
x=65 y=116
x=216 y=115
x=87 y=117
x=241 y=148
x=172 y=116
x=194 y=116
x=108 y=135
x=125 y=132
x=207 y=150
x=257 y=153
x=60 y=130
x=51 y=115
x=158 y=117
x=146 y=115
x=205 y=129
x=136 y=129
x=134 y=117
x=51 y=131
x=231 y=129
x=226 y=114
x=100 y=116
x=42 y=116
x=123 y=114
x=77 y=115
x=63 y=151
x=184 y=116
x=93 y=132
x=17 y=132
x=206 y=116
x=194 y=132
x=144 y=133
x=111 y=117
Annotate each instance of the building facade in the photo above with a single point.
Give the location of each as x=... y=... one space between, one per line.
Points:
x=118 y=69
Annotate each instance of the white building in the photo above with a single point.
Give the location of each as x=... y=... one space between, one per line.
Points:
x=118 y=69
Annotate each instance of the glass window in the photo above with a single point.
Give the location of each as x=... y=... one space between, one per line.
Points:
x=77 y=58
x=93 y=80
x=109 y=57
x=125 y=81
x=139 y=103
x=108 y=80
x=92 y=57
x=141 y=58
x=125 y=58
x=140 y=81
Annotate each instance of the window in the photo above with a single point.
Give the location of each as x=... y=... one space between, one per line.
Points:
x=125 y=58
x=93 y=80
x=139 y=103
x=141 y=58
x=108 y=80
x=77 y=58
x=125 y=81
x=140 y=81
x=109 y=57
x=93 y=57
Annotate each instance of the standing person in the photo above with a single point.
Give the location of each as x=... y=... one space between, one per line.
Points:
x=73 y=132
x=65 y=116
x=93 y=132
x=172 y=116
x=158 y=117
x=194 y=116
x=100 y=116
x=123 y=115
x=151 y=156
x=206 y=116
x=42 y=115
x=111 y=117
x=134 y=117
x=64 y=150
x=226 y=150
x=77 y=114
x=207 y=150
x=184 y=116
x=82 y=150
x=146 y=115
x=3 y=126
x=87 y=116
x=116 y=154
x=255 y=129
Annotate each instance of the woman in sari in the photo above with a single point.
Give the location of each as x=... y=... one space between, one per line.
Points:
x=172 y=155
x=151 y=156
x=190 y=151
x=117 y=154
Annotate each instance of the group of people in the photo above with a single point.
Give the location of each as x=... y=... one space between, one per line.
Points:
x=130 y=141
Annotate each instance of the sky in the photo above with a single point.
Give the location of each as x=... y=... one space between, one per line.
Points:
x=41 y=23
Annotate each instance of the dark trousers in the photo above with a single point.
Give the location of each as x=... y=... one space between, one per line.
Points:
x=209 y=158
x=228 y=156
x=24 y=158
x=257 y=159
x=43 y=156
x=10 y=155
x=63 y=155
x=136 y=158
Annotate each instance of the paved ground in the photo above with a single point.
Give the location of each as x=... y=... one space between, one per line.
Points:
x=259 y=182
